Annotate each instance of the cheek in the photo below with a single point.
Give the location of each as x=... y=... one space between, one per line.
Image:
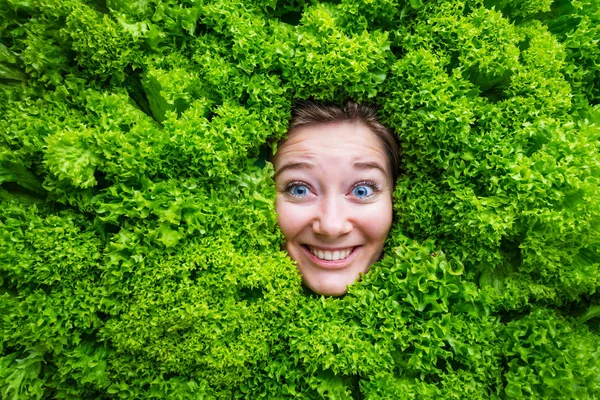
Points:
x=289 y=219
x=377 y=221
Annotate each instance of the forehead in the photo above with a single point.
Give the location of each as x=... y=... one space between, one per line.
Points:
x=339 y=139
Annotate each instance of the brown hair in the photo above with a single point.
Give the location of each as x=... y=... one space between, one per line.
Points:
x=308 y=112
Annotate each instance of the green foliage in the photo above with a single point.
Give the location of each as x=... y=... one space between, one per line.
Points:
x=139 y=249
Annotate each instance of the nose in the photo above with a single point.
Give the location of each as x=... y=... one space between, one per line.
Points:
x=333 y=219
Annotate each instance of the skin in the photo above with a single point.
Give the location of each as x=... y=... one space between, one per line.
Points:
x=334 y=192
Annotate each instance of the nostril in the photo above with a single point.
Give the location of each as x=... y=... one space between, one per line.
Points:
x=332 y=227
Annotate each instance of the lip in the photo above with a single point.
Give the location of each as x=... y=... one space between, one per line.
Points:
x=329 y=248
x=338 y=264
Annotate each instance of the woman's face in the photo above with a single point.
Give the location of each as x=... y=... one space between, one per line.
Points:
x=334 y=202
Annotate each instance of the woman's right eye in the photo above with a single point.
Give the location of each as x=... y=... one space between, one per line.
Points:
x=298 y=190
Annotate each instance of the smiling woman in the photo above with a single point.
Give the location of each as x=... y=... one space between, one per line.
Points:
x=334 y=176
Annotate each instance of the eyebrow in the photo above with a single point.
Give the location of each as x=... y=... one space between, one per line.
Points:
x=295 y=165
x=362 y=165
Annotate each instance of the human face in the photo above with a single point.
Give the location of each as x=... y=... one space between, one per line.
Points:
x=334 y=202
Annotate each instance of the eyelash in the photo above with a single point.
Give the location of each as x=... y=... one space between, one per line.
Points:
x=376 y=188
x=293 y=184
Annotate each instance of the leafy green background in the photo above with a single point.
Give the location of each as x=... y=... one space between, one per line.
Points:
x=139 y=252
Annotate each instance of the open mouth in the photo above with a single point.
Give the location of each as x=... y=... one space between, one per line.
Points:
x=337 y=257
x=330 y=255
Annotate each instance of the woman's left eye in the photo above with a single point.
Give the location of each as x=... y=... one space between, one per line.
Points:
x=362 y=191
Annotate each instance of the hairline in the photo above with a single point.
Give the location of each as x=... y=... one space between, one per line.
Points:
x=311 y=113
x=353 y=121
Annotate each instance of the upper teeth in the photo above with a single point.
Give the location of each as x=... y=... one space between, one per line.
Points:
x=331 y=255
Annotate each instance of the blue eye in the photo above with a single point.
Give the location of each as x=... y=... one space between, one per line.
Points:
x=362 y=191
x=298 y=190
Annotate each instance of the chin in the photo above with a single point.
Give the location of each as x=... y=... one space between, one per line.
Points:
x=329 y=288
x=329 y=291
